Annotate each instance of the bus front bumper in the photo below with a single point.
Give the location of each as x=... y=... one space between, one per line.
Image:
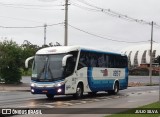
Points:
x=51 y=90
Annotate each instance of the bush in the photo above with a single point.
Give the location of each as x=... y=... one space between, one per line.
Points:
x=10 y=61
x=11 y=75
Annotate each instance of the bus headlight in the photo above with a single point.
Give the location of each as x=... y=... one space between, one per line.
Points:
x=59 y=90
x=32 y=90
x=33 y=85
x=59 y=84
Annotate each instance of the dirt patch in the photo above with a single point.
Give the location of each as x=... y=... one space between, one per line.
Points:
x=135 y=84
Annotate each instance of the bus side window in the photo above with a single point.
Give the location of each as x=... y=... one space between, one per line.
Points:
x=124 y=62
x=106 y=61
x=118 y=62
x=93 y=61
x=110 y=61
x=82 y=61
x=101 y=60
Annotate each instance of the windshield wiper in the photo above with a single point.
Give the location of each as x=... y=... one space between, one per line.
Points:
x=49 y=70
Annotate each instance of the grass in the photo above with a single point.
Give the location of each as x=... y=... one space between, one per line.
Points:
x=153 y=106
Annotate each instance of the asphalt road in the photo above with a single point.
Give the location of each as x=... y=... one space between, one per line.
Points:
x=129 y=98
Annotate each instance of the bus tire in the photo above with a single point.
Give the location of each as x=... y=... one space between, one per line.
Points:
x=115 y=90
x=50 y=96
x=79 y=91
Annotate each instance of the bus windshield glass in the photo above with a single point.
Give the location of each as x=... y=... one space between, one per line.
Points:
x=48 y=67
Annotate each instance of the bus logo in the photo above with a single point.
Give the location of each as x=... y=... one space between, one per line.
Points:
x=116 y=73
x=105 y=72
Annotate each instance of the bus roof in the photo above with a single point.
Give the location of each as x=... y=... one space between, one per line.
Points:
x=57 y=49
x=66 y=49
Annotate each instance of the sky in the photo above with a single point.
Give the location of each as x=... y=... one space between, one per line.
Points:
x=99 y=25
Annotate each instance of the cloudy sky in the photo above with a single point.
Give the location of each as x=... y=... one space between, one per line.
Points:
x=86 y=15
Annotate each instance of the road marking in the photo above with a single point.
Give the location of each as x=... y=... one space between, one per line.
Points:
x=69 y=104
x=49 y=106
x=83 y=102
x=96 y=100
x=4 y=91
x=152 y=91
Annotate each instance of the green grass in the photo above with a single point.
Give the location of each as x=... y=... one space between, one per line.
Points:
x=153 y=106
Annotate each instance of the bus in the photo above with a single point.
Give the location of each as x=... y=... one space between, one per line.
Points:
x=74 y=70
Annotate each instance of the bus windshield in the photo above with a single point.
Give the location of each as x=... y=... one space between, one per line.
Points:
x=48 y=67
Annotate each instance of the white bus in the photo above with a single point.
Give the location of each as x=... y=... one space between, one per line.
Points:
x=76 y=70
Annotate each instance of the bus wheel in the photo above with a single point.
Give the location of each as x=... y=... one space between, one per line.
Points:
x=115 y=90
x=79 y=92
x=50 y=96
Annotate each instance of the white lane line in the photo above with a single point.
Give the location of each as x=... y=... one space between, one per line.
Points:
x=4 y=91
x=69 y=104
x=49 y=106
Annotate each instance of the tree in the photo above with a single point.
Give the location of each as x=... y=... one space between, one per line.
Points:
x=28 y=50
x=10 y=61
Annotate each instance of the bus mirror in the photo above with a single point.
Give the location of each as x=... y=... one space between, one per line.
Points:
x=64 y=60
x=27 y=60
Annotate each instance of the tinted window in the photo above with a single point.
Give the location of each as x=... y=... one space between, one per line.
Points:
x=92 y=59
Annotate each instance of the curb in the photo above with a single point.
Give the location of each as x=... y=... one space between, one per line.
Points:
x=26 y=89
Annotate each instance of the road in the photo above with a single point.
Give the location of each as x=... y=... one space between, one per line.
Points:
x=129 y=98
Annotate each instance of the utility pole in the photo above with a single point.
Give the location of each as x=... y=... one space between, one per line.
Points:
x=45 y=28
x=150 y=69
x=66 y=24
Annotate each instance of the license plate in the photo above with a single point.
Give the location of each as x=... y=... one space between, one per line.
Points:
x=45 y=91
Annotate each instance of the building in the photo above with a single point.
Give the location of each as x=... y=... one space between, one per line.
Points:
x=139 y=55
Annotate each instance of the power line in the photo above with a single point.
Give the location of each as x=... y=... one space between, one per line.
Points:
x=31 y=26
x=106 y=38
x=115 y=14
x=27 y=5
x=36 y=8
x=83 y=7
x=21 y=19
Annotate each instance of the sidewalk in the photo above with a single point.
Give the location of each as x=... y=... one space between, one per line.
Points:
x=15 y=87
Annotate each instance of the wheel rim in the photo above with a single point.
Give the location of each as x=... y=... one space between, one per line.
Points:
x=116 y=88
x=79 y=91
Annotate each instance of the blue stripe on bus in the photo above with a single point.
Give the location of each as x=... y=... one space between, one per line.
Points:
x=98 y=85
x=104 y=85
